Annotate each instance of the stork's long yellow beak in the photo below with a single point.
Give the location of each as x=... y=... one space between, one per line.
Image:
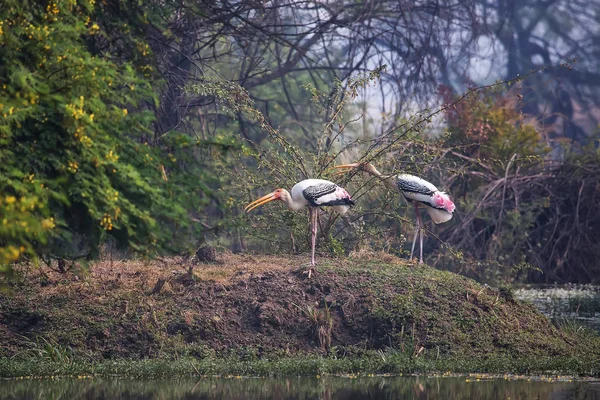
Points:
x=344 y=169
x=263 y=200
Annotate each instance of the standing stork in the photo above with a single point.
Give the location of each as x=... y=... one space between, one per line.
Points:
x=415 y=190
x=313 y=193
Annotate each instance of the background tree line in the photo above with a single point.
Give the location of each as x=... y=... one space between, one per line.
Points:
x=146 y=125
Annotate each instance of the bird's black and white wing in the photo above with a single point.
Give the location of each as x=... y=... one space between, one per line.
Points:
x=415 y=188
x=439 y=205
x=319 y=192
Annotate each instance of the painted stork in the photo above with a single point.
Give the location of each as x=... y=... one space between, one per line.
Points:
x=415 y=190
x=313 y=193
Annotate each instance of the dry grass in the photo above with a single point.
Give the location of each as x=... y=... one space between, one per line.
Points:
x=380 y=256
x=230 y=265
x=134 y=275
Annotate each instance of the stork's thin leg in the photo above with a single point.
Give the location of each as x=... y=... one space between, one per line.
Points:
x=313 y=231
x=417 y=229
x=313 y=235
x=420 y=239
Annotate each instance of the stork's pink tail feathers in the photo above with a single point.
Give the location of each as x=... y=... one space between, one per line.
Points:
x=442 y=200
x=342 y=193
x=444 y=210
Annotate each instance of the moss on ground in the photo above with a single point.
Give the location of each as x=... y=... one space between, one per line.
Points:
x=255 y=315
x=301 y=365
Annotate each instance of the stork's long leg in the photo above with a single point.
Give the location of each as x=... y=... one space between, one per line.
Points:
x=417 y=230
x=314 y=213
x=420 y=238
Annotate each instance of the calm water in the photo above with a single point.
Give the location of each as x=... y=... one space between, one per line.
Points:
x=579 y=303
x=329 y=388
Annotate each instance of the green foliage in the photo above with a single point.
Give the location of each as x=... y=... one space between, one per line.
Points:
x=76 y=167
x=358 y=362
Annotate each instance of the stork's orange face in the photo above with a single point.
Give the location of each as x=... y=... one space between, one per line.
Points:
x=264 y=200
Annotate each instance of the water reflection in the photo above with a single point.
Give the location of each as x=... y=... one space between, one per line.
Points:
x=580 y=303
x=298 y=389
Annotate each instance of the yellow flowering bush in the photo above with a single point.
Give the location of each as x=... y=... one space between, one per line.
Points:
x=71 y=120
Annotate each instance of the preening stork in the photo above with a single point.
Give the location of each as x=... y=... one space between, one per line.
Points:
x=313 y=193
x=415 y=190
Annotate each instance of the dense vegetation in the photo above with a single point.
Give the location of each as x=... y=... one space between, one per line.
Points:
x=147 y=125
x=77 y=166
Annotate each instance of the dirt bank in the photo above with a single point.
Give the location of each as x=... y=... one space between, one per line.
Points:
x=252 y=305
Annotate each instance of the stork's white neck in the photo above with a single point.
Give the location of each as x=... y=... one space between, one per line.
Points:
x=388 y=180
x=291 y=203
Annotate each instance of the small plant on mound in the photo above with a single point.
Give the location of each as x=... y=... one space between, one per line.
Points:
x=320 y=324
x=50 y=350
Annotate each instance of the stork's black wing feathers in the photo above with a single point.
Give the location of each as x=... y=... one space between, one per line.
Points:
x=346 y=201
x=312 y=193
x=315 y=192
x=414 y=187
